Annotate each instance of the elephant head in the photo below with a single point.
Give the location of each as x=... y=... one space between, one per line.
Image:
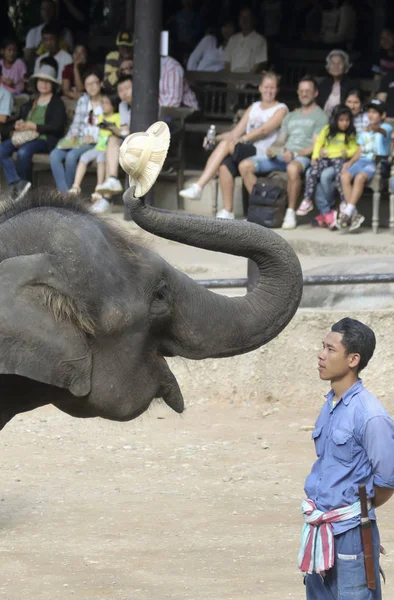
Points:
x=88 y=314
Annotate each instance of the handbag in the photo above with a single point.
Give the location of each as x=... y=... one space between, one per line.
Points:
x=18 y=138
x=268 y=201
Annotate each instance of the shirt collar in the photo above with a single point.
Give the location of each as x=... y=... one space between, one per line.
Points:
x=348 y=395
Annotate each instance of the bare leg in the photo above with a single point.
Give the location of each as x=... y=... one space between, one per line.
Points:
x=100 y=173
x=222 y=150
x=294 y=183
x=80 y=173
x=112 y=157
x=226 y=182
x=358 y=188
x=247 y=169
x=346 y=180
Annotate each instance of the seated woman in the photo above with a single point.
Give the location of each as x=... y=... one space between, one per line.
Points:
x=72 y=77
x=208 y=55
x=44 y=116
x=14 y=69
x=334 y=88
x=81 y=136
x=255 y=132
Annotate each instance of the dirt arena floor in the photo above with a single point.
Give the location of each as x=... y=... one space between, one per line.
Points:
x=206 y=505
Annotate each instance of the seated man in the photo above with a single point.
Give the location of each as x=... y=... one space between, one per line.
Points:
x=119 y=62
x=374 y=142
x=6 y=108
x=246 y=52
x=296 y=138
x=174 y=89
x=51 y=40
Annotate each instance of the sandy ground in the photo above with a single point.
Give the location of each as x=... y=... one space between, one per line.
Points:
x=206 y=505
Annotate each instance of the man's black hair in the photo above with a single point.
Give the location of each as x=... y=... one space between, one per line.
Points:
x=311 y=79
x=51 y=61
x=124 y=78
x=51 y=29
x=357 y=338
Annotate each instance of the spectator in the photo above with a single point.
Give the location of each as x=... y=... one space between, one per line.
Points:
x=208 y=55
x=109 y=123
x=338 y=24
x=335 y=143
x=334 y=89
x=119 y=62
x=51 y=40
x=384 y=62
x=255 y=132
x=354 y=100
x=72 y=80
x=81 y=136
x=174 y=90
x=246 y=52
x=112 y=185
x=44 y=115
x=186 y=29
x=14 y=69
x=34 y=35
x=375 y=141
x=6 y=106
x=296 y=138
x=386 y=95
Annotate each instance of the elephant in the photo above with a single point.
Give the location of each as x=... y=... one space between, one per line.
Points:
x=88 y=314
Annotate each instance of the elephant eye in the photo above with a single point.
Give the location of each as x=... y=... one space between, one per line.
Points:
x=160 y=304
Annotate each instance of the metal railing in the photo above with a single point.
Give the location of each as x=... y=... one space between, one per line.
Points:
x=308 y=280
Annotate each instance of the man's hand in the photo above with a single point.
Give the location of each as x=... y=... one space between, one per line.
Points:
x=287 y=155
x=270 y=153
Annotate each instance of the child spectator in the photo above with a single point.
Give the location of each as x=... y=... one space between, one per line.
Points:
x=354 y=100
x=335 y=143
x=109 y=124
x=119 y=62
x=374 y=142
x=72 y=81
x=14 y=69
x=51 y=40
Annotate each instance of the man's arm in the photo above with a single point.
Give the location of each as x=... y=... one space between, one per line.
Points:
x=378 y=442
x=382 y=495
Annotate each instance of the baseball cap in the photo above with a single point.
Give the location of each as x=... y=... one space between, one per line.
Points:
x=377 y=105
x=124 y=38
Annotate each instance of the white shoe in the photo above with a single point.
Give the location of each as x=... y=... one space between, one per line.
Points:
x=110 y=186
x=101 y=206
x=224 y=214
x=194 y=192
x=289 y=222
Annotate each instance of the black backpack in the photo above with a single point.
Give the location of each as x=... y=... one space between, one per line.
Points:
x=268 y=201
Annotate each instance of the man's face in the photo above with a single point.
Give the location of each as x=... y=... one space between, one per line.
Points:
x=51 y=43
x=306 y=93
x=246 y=21
x=47 y=11
x=125 y=91
x=374 y=117
x=333 y=363
x=125 y=52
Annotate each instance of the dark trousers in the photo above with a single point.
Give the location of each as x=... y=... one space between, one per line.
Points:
x=315 y=172
x=24 y=155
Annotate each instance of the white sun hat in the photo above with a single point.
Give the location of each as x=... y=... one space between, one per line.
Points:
x=47 y=73
x=142 y=156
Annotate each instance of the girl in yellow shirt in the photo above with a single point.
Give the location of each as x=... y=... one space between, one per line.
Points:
x=336 y=143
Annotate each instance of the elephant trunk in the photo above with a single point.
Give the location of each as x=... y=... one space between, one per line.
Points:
x=206 y=324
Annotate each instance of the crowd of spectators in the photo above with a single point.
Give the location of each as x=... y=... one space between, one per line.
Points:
x=55 y=69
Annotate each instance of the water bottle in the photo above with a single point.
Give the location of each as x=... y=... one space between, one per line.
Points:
x=211 y=135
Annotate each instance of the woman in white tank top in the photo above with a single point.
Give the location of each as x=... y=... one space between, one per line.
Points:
x=255 y=132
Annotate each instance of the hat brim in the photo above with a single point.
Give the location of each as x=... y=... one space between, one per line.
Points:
x=44 y=77
x=160 y=144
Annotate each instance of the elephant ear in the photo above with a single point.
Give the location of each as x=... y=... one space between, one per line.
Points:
x=33 y=343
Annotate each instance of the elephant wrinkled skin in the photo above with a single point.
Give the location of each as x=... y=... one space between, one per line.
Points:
x=88 y=315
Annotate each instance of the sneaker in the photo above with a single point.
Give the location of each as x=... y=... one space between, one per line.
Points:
x=289 y=222
x=342 y=222
x=356 y=221
x=19 y=189
x=330 y=219
x=101 y=206
x=319 y=221
x=305 y=207
x=194 y=192
x=111 y=186
x=224 y=214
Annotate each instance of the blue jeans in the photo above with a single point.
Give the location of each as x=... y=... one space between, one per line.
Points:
x=266 y=165
x=325 y=191
x=347 y=579
x=64 y=173
x=24 y=155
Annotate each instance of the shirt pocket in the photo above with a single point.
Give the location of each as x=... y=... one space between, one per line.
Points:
x=317 y=438
x=342 y=447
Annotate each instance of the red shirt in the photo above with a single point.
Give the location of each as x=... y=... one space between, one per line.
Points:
x=68 y=73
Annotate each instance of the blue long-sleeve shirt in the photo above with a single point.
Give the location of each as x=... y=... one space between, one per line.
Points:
x=354 y=443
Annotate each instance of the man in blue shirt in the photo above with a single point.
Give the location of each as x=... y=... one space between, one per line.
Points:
x=354 y=440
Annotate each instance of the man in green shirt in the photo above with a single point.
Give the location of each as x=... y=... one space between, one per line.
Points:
x=292 y=149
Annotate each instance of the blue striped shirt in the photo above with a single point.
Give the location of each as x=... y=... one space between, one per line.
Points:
x=354 y=443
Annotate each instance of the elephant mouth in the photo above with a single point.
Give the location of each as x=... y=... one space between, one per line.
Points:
x=169 y=389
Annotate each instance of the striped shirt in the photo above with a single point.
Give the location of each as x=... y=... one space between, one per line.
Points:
x=80 y=125
x=174 y=90
x=111 y=67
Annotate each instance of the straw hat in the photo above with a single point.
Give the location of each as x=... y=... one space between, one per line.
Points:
x=47 y=73
x=142 y=156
